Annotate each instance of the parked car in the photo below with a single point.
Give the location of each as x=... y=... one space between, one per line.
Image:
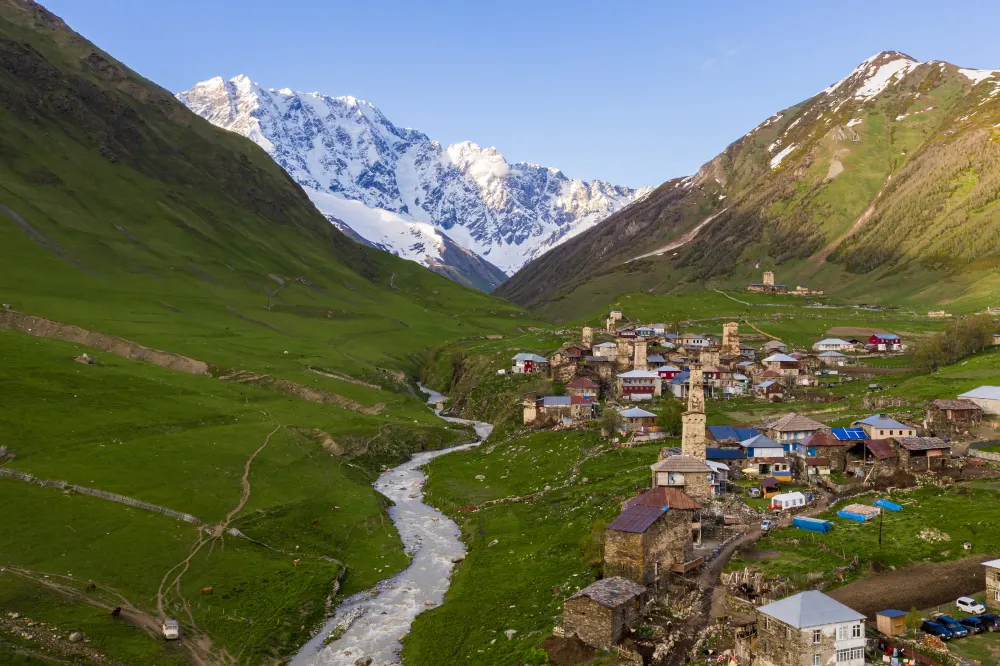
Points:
x=952 y=625
x=973 y=624
x=937 y=629
x=171 y=630
x=766 y=525
x=970 y=606
x=991 y=621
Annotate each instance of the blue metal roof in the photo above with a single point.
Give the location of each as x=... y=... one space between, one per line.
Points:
x=844 y=434
x=722 y=432
x=881 y=421
x=724 y=454
x=746 y=433
x=892 y=613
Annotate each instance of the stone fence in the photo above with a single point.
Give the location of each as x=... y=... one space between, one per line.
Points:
x=103 y=494
x=984 y=455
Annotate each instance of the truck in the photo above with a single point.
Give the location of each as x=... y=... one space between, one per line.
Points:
x=812 y=524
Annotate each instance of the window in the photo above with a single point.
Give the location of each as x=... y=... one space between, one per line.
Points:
x=842 y=634
x=850 y=654
x=996 y=595
x=856 y=631
x=815 y=660
x=817 y=636
x=767 y=623
x=788 y=632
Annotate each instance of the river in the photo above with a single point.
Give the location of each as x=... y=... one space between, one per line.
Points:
x=373 y=621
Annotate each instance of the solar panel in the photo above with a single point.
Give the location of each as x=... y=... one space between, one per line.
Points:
x=844 y=434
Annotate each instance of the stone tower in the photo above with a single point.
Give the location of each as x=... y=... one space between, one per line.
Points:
x=639 y=355
x=609 y=325
x=622 y=359
x=530 y=410
x=587 y=337
x=693 y=421
x=708 y=357
x=768 y=278
x=731 y=339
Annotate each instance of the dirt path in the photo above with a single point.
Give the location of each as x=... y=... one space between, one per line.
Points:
x=683 y=240
x=773 y=337
x=921 y=586
x=820 y=257
x=106 y=599
x=245 y=481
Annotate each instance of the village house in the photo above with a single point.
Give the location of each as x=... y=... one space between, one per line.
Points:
x=728 y=435
x=748 y=351
x=739 y=384
x=655 y=361
x=885 y=342
x=552 y=409
x=790 y=428
x=770 y=390
x=833 y=344
x=601 y=613
x=667 y=372
x=993 y=584
x=783 y=364
x=872 y=458
x=773 y=347
x=814 y=466
x=921 y=454
x=582 y=386
x=879 y=426
x=832 y=359
x=720 y=476
x=766 y=457
x=806 y=381
x=638 y=385
x=530 y=364
x=693 y=340
x=824 y=444
x=952 y=416
x=809 y=629
x=807 y=362
x=725 y=455
x=607 y=350
x=686 y=473
x=637 y=420
x=987 y=397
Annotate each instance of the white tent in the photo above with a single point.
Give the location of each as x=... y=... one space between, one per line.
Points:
x=788 y=501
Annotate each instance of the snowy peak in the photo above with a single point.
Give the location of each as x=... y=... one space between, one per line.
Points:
x=873 y=75
x=341 y=149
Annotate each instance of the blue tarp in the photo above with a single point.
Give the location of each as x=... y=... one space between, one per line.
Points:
x=886 y=504
x=811 y=524
x=851 y=516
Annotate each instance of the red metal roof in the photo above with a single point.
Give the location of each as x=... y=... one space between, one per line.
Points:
x=581 y=382
x=880 y=449
x=664 y=497
x=582 y=400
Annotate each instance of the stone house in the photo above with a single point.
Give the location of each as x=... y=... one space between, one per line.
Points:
x=833 y=359
x=921 y=454
x=809 y=629
x=872 y=458
x=773 y=347
x=993 y=584
x=807 y=362
x=552 y=409
x=952 y=416
x=582 y=386
x=648 y=538
x=880 y=426
x=637 y=420
x=686 y=473
x=605 y=350
x=770 y=390
x=806 y=381
x=824 y=444
x=600 y=614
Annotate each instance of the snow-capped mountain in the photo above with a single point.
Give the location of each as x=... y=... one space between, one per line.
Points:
x=405 y=193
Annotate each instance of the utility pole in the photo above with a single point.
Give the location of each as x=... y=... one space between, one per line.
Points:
x=881 y=513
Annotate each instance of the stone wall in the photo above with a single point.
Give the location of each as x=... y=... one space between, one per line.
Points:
x=594 y=624
x=984 y=455
x=992 y=588
x=640 y=557
x=623 y=556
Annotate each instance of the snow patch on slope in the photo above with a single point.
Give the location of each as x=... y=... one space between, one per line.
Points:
x=977 y=75
x=777 y=159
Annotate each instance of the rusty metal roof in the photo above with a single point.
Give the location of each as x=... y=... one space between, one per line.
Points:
x=662 y=496
x=880 y=449
x=636 y=519
x=611 y=592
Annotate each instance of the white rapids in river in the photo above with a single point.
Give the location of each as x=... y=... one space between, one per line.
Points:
x=376 y=619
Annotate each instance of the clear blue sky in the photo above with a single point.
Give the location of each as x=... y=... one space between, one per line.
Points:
x=631 y=92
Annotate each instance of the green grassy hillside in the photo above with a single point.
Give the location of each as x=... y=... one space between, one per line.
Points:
x=876 y=195
x=124 y=214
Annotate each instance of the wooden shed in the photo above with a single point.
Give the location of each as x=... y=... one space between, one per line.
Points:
x=891 y=622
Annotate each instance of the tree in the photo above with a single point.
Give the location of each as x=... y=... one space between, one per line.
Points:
x=610 y=420
x=960 y=338
x=669 y=416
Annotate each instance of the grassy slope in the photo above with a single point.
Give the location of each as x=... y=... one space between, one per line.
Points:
x=135 y=218
x=933 y=237
x=546 y=548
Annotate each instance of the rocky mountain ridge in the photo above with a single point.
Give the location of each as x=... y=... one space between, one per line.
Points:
x=462 y=210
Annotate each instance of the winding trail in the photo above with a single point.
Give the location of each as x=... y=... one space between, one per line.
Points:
x=683 y=240
x=371 y=623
